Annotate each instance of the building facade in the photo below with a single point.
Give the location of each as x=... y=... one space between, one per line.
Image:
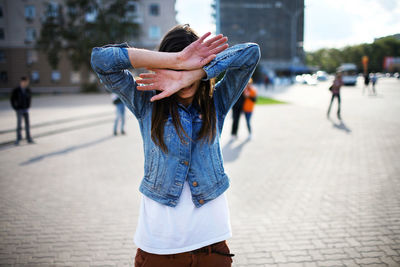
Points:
x=20 y=25
x=276 y=25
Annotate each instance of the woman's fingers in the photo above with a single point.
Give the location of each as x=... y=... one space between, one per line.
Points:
x=212 y=40
x=219 y=49
x=146 y=81
x=160 y=96
x=147 y=87
x=218 y=43
x=147 y=75
x=202 y=38
x=207 y=60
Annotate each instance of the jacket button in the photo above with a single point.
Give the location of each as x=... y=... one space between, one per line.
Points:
x=186 y=162
x=194 y=184
x=201 y=201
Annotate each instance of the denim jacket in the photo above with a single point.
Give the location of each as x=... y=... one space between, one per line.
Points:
x=200 y=163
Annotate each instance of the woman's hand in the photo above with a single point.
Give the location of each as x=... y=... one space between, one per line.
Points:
x=167 y=81
x=201 y=52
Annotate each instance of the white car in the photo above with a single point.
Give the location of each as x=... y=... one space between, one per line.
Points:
x=322 y=75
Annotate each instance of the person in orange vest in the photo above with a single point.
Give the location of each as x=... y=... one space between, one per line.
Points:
x=250 y=97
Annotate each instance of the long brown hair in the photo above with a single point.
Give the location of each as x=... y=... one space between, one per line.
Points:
x=175 y=41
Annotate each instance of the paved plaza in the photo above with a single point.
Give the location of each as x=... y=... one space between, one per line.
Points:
x=305 y=191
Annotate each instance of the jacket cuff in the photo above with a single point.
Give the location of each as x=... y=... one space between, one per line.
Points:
x=110 y=58
x=210 y=71
x=125 y=62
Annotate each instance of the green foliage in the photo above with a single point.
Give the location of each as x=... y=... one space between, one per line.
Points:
x=72 y=32
x=51 y=35
x=268 y=101
x=329 y=59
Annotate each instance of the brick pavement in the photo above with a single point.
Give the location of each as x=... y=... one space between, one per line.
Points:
x=305 y=191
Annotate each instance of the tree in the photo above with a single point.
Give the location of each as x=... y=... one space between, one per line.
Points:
x=80 y=25
x=329 y=59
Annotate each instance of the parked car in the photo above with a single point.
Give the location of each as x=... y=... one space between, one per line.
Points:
x=322 y=75
x=306 y=79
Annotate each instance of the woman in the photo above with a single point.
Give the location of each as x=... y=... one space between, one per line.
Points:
x=335 y=89
x=184 y=217
x=250 y=98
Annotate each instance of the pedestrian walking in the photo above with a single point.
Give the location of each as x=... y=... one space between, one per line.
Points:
x=250 y=97
x=184 y=216
x=374 y=79
x=119 y=115
x=335 y=89
x=237 y=110
x=21 y=102
x=366 y=83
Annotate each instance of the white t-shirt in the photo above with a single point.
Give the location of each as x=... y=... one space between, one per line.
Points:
x=169 y=230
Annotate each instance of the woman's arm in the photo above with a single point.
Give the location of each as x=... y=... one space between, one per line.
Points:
x=239 y=62
x=194 y=56
x=111 y=62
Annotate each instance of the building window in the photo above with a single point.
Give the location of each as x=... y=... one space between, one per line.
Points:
x=154 y=32
x=1 y=34
x=31 y=57
x=72 y=10
x=75 y=77
x=55 y=76
x=2 y=56
x=154 y=9
x=35 y=77
x=30 y=35
x=132 y=8
x=30 y=12
x=1 y=11
x=52 y=10
x=91 y=15
x=3 y=77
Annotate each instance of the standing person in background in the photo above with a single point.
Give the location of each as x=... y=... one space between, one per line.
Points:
x=250 y=97
x=374 y=79
x=21 y=102
x=335 y=89
x=366 y=82
x=120 y=113
x=237 y=110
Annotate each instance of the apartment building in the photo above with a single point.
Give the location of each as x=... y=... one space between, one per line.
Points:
x=20 y=25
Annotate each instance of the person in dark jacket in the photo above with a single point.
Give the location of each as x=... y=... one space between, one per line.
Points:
x=237 y=110
x=21 y=102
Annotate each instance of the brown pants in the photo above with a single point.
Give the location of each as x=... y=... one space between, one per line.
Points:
x=215 y=255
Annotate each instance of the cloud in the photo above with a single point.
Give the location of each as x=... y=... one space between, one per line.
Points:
x=389 y=5
x=355 y=21
x=198 y=13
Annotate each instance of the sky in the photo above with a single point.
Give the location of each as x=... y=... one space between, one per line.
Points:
x=328 y=23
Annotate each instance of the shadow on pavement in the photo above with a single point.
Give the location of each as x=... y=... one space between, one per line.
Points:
x=9 y=144
x=60 y=121
x=65 y=151
x=232 y=153
x=341 y=126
